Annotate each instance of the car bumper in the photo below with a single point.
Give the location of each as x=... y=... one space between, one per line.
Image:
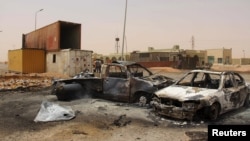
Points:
x=173 y=111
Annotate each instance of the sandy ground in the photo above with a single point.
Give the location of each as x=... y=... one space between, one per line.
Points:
x=95 y=120
x=98 y=119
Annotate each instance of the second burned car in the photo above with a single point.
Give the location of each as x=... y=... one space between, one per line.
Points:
x=120 y=81
x=203 y=94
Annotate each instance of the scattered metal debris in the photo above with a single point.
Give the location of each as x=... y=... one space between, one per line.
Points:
x=79 y=132
x=121 y=121
x=53 y=112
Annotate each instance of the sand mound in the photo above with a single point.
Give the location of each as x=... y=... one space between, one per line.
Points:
x=237 y=68
x=164 y=69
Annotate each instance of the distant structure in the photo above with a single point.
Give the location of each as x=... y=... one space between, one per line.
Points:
x=192 y=40
x=117 y=45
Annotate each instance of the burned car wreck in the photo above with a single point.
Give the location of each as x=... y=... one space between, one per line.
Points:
x=120 y=81
x=202 y=94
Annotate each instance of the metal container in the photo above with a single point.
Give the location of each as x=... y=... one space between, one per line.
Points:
x=54 y=37
x=26 y=60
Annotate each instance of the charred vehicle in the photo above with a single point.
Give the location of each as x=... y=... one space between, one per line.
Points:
x=202 y=94
x=120 y=81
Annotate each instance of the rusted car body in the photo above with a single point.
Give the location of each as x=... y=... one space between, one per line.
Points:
x=202 y=93
x=120 y=81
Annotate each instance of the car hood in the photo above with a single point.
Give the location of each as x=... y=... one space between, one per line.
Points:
x=158 y=79
x=183 y=93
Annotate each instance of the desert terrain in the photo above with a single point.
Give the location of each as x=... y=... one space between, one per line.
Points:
x=95 y=119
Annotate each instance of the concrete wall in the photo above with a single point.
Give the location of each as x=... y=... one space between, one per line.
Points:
x=69 y=62
x=157 y=64
x=241 y=61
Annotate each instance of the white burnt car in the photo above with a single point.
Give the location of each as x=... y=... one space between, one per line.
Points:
x=203 y=94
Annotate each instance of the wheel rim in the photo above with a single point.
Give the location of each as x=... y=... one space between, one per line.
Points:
x=214 y=111
x=142 y=100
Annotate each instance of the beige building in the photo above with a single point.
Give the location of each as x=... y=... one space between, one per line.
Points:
x=199 y=56
x=111 y=57
x=175 y=57
x=157 y=55
x=219 y=56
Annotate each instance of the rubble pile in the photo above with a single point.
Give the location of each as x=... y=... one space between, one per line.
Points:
x=24 y=81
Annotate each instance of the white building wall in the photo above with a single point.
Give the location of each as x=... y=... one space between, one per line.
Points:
x=69 y=62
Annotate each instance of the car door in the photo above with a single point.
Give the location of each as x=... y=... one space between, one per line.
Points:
x=116 y=83
x=232 y=93
x=242 y=88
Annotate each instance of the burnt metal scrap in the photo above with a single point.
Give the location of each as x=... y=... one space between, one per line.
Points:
x=202 y=94
x=120 y=81
x=121 y=121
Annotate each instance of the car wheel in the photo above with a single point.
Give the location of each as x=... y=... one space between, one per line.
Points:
x=55 y=86
x=246 y=103
x=142 y=99
x=214 y=111
x=67 y=92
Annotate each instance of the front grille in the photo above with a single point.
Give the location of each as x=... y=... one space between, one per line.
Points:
x=173 y=102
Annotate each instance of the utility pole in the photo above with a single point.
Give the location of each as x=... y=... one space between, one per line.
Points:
x=122 y=58
x=36 y=16
x=192 y=40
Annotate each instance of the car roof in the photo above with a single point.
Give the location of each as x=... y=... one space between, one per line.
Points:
x=211 y=71
x=125 y=63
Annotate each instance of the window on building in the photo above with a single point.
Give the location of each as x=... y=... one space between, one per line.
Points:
x=164 y=58
x=174 y=58
x=227 y=60
x=210 y=59
x=220 y=60
x=54 y=58
x=144 y=55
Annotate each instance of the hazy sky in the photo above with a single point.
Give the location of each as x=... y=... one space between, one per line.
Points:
x=150 y=23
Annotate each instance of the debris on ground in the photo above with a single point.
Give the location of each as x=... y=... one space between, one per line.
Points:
x=121 y=121
x=13 y=81
x=53 y=112
x=197 y=135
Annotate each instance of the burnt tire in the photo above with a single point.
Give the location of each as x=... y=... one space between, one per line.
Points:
x=213 y=111
x=142 y=99
x=67 y=92
x=54 y=87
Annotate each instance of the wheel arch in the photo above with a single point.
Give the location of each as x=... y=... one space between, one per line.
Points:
x=138 y=94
